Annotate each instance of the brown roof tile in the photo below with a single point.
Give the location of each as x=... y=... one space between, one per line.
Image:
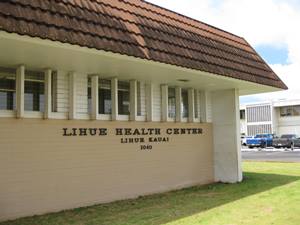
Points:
x=140 y=29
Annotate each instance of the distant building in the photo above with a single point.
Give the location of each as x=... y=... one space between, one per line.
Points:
x=278 y=117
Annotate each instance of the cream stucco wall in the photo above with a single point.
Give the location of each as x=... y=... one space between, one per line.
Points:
x=227 y=142
x=43 y=171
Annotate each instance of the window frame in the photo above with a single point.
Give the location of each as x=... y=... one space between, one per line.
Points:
x=184 y=91
x=11 y=72
x=123 y=116
x=170 y=110
x=104 y=115
x=41 y=103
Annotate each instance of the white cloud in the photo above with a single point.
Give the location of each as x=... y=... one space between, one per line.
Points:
x=268 y=22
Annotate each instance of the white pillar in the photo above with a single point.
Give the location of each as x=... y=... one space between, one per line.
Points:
x=191 y=104
x=72 y=96
x=164 y=103
x=226 y=136
x=133 y=100
x=20 y=79
x=149 y=102
x=178 y=104
x=47 y=94
x=95 y=101
x=114 y=99
x=204 y=107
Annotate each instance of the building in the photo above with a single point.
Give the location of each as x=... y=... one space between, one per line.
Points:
x=277 y=117
x=112 y=99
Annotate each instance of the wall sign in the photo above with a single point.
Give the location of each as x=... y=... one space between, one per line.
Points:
x=143 y=136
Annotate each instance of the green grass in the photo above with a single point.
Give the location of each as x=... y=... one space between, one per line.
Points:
x=269 y=194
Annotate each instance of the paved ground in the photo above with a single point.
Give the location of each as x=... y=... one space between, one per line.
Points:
x=271 y=155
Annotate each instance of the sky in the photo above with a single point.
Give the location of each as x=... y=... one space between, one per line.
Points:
x=272 y=27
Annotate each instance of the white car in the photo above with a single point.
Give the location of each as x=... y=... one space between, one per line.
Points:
x=244 y=139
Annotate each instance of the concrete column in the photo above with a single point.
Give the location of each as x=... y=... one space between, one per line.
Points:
x=178 y=104
x=47 y=94
x=149 y=102
x=20 y=80
x=226 y=136
x=72 y=96
x=164 y=103
x=95 y=100
x=191 y=105
x=204 y=107
x=133 y=100
x=114 y=99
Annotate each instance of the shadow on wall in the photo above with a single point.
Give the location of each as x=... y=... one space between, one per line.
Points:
x=163 y=208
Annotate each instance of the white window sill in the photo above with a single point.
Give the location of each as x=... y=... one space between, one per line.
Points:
x=171 y=120
x=33 y=114
x=184 y=120
x=58 y=116
x=8 y=113
x=105 y=117
x=141 y=118
x=123 y=117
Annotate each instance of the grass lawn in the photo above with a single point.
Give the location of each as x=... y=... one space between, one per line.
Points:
x=269 y=194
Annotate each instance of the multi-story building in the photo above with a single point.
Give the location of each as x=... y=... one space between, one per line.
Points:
x=278 y=117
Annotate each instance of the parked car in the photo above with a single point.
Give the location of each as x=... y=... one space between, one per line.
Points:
x=244 y=139
x=285 y=141
x=296 y=143
x=260 y=140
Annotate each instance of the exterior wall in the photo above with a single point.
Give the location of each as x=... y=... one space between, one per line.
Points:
x=289 y=125
x=243 y=127
x=157 y=102
x=44 y=171
x=62 y=92
x=226 y=136
x=81 y=95
x=209 y=108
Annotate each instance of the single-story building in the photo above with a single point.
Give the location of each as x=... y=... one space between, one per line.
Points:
x=102 y=100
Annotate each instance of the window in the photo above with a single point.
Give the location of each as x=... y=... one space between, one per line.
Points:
x=171 y=102
x=196 y=104
x=259 y=113
x=104 y=96
x=242 y=114
x=184 y=103
x=259 y=129
x=123 y=97
x=7 y=89
x=34 y=91
x=290 y=111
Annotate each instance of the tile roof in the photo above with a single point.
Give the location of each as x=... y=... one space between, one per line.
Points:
x=140 y=29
